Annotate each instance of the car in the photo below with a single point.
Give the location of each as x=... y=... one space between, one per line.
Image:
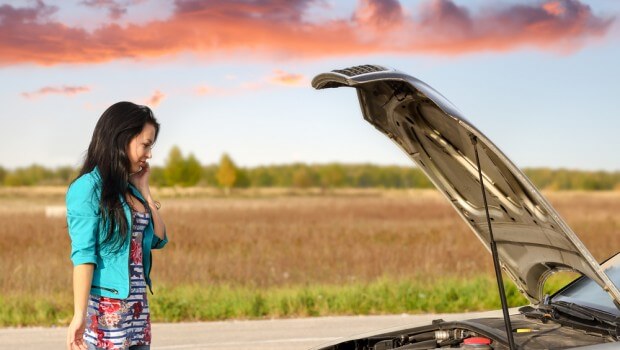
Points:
x=527 y=238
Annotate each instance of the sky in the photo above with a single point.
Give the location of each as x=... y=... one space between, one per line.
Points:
x=539 y=78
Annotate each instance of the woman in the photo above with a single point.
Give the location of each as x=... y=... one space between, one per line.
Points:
x=114 y=223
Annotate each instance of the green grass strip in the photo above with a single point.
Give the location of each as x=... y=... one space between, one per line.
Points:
x=193 y=303
x=220 y=302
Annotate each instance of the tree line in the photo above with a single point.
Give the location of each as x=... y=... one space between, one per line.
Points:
x=181 y=170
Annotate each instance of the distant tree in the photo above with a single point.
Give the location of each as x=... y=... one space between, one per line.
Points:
x=419 y=180
x=208 y=175
x=173 y=169
x=187 y=171
x=13 y=179
x=64 y=175
x=282 y=175
x=227 y=173
x=29 y=176
x=261 y=176
x=390 y=177
x=157 y=177
x=243 y=179
x=192 y=171
x=302 y=177
x=181 y=171
x=333 y=175
x=541 y=177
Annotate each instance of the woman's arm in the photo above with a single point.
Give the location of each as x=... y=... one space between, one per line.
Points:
x=83 y=221
x=158 y=222
x=82 y=279
x=141 y=181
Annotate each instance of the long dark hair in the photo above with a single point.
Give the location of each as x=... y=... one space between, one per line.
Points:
x=107 y=151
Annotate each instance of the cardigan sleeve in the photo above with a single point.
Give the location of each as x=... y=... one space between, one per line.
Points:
x=159 y=243
x=83 y=220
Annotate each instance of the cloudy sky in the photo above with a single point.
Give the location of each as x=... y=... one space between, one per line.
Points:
x=540 y=78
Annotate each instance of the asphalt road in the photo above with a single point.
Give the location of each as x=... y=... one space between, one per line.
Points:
x=302 y=333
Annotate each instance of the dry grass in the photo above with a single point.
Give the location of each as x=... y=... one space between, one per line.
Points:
x=290 y=240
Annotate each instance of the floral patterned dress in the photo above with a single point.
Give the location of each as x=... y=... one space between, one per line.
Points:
x=121 y=323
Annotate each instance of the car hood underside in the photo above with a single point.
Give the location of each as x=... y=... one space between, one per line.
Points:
x=533 y=241
x=530 y=334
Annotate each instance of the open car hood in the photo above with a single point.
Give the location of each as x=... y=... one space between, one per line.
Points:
x=533 y=241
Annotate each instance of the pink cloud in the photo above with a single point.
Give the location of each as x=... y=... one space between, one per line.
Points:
x=155 y=99
x=379 y=14
x=204 y=90
x=560 y=25
x=209 y=90
x=278 y=77
x=269 y=29
x=115 y=9
x=62 y=90
x=284 y=78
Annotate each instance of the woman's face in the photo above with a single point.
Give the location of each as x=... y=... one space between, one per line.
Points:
x=139 y=148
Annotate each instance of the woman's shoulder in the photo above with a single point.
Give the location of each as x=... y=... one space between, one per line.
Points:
x=87 y=181
x=84 y=187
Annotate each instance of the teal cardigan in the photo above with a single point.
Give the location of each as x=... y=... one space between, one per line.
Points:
x=84 y=222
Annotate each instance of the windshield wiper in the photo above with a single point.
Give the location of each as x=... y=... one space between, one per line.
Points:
x=583 y=313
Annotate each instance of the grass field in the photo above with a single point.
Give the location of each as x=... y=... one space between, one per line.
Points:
x=283 y=253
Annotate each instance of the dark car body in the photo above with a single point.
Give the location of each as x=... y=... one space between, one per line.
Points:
x=532 y=240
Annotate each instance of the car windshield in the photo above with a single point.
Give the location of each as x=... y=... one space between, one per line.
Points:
x=586 y=292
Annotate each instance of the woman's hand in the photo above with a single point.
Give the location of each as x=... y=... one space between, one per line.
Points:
x=141 y=180
x=75 y=333
x=82 y=278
